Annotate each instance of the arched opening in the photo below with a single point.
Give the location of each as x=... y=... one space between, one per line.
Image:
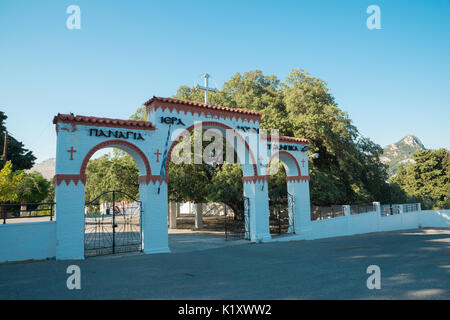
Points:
x=206 y=198
x=281 y=194
x=113 y=211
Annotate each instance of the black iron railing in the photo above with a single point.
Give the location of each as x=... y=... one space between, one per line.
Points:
x=362 y=208
x=326 y=212
x=410 y=207
x=27 y=210
x=390 y=209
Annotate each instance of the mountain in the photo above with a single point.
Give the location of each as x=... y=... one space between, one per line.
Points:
x=46 y=168
x=401 y=152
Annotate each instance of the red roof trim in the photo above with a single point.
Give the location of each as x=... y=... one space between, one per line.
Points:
x=67 y=178
x=297 y=179
x=199 y=108
x=285 y=139
x=103 y=122
x=255 y=179
x=146 y=179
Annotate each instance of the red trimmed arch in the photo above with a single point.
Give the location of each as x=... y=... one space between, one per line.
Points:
x=113 y=143
x=290 y=156
x=214 y=124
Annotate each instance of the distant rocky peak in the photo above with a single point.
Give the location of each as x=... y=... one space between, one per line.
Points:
x=412 y=141
x=400 y=153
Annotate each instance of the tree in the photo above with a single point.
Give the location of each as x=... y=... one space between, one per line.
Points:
x=20 y=157
x=117 y=171
x=348 y=169
x=427 y=179
x=226 y=186
x=189 y=182
x=10 y=182
x=33 y=188
x=51 y=192
x=348 y=159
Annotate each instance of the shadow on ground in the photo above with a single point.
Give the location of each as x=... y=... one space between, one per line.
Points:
x=414 y=264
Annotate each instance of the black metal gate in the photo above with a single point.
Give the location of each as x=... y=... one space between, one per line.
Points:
x=291 y=213
x=238 y=227
x=280 y=220
x=112 y=224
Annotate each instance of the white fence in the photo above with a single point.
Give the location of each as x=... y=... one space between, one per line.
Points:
x=28 y=240
x=382 y=218
x=37 y=240
x=209 y=209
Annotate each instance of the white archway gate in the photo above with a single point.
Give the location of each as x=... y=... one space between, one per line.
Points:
x=150 y=144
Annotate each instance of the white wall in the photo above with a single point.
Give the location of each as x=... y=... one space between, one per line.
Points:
x=37 y=240
x=370 y=222
x=26 y=241
x=435 y=218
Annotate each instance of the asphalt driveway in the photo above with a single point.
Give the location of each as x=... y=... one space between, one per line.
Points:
x=414 y=264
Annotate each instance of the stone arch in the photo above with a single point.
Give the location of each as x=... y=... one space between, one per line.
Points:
x=211 y=124
x=290 y=163
x=138 y=155
x=293 y=174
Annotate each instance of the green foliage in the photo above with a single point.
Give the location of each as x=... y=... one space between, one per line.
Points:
x=33 y=188
x=189 y=182
x=446 y=203
x=51 y=192
x=348 y=169
x=427 y=179
x=140 y=114
x=112 y=172
x=226 y=186
x=277 y=183
x=20 y=157
x=10 y=182
x=193 y=182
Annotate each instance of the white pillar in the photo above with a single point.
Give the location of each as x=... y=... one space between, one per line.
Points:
x=302 y=206
x=199 y=215
x=173 y=215
x=154 y=218
x=169 y=208
x=377 y=207
x=256 y=189
x=347 y=211
x=69 y=220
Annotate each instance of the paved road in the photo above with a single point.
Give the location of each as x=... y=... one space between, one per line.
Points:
x=414 y=265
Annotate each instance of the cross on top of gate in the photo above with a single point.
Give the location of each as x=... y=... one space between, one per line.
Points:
x=205 y=87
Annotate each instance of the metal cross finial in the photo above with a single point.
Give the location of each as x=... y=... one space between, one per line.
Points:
x=206 y=88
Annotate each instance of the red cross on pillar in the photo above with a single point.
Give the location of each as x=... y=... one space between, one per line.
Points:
x=303 y=163
x=157 y=155
x=261 y=159
x=71 y=150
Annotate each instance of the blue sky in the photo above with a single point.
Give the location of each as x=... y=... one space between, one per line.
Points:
x=392 y=82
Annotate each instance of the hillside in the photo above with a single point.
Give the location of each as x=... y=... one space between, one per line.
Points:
x=401 y=152
x=46 y=168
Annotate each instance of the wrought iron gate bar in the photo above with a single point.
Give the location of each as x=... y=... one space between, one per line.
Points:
x=113 y=231
x=237 y=227
x=281 y=214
